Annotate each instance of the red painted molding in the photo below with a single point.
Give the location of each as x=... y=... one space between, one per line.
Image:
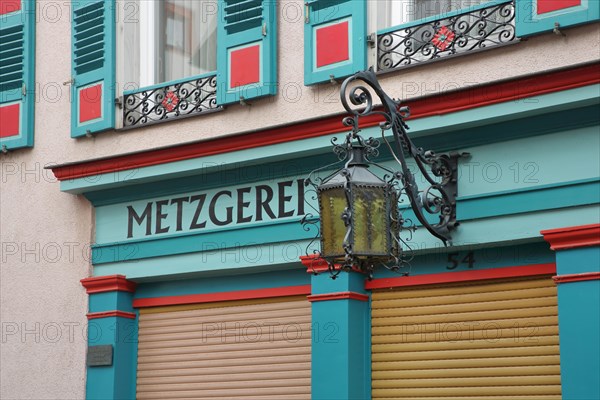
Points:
x=222 y=296
x=316 y=265
x=111 y=283
x=338 y=296
x=573 y=237
x=586 y=276
x=444 y=103
x=463 y=276
x=114 y=313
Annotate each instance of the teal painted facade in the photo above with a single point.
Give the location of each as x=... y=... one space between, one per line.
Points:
x=518 y=182
x=341 y=351
x=579 y=323
x=116 y=381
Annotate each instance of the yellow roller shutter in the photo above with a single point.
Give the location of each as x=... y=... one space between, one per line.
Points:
x=254 y=349
x=467 y=341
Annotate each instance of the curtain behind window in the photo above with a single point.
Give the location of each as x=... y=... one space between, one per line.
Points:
x=171 y=40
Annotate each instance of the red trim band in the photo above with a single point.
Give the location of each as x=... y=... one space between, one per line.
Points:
x=445 y=103
x=586 y=276
x=338 y=296
x=463 y=276
x=111 y=283
x=573 y=237
x=222 y=296
x=114 y=313
x=315 y=264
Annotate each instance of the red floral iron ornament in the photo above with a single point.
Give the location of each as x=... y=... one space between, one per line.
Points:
x=170 y=101
x=443 y=38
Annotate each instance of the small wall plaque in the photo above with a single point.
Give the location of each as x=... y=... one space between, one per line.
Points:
x=100 y=356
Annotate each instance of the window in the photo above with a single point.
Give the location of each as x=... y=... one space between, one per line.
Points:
x=410 y=32
x=171 y=40
x=396 y=12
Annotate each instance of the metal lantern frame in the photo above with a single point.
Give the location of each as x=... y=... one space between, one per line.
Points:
x=397 y=186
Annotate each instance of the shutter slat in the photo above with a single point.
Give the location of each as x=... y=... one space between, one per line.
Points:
x=467 y=317
x=458 y=289
x=466 y=307
x=276 y=393
x=184 y=369
x=494 y=339
x=198 y=361
x=181 y=355
x=381 y=334
x=513 y=362
x=464 y=392
x=467 y=353
x=471 y=372
x=93 y=32
x=468 y=298
x=249 y=377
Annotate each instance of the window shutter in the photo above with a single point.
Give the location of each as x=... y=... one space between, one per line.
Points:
x=17 y=74
x=335 y=33
x=93 y=66
x=537 y=16
x=246 y=50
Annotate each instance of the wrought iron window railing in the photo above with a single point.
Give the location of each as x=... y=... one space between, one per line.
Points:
x=460 y=32
x=170 y=100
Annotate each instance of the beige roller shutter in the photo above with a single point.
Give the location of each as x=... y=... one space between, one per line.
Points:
x=467 y=341
x=254 y=349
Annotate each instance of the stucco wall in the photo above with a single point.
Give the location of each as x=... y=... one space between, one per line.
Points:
x=45 y=234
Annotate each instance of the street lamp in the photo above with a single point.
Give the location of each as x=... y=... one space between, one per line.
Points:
x=359 y=205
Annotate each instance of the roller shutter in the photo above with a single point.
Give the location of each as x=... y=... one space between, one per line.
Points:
x=467 y=341
x=255 y=349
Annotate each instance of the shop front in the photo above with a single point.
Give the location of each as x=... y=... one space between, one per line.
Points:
x=205 y=283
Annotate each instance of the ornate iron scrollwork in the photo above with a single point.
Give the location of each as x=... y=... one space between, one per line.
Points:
x=439 y=171
x=466 y=32
x=172 y=101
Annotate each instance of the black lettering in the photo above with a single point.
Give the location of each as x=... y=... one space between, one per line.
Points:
x=263 y=204
x=200 y=198
x=132 y=215
x=212 y=209
x=241 y=205
x=284 y=199
x=179 y=201
x=301 y=197
x=160 y=216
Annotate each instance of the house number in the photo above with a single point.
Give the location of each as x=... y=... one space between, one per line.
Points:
x=453 y=260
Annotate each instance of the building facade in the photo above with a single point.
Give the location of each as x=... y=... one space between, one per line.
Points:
x=154 y=158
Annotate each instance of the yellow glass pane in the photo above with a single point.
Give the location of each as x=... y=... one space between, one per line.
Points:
x=370 y=227
x=333 y=204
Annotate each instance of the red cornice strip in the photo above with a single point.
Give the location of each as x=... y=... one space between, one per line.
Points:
x=114 y=313
x=573 y=237
x=315 y=264
x=111 y=283
x=338 y=296
x=423 y=107
x=463 y=276
x=586 y=276
x=222 y=296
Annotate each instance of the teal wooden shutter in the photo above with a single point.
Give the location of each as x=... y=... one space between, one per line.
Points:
x=538 y=16
x=93 y=66
x=335 y=35
x=17 y=73
x=246 y=50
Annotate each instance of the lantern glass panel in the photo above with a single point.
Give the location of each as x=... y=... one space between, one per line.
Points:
x=333 y=203
x=370 y=227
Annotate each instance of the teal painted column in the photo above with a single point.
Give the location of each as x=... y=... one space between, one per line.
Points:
x=578 y=279
x=341 y=357
x=112 y=322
